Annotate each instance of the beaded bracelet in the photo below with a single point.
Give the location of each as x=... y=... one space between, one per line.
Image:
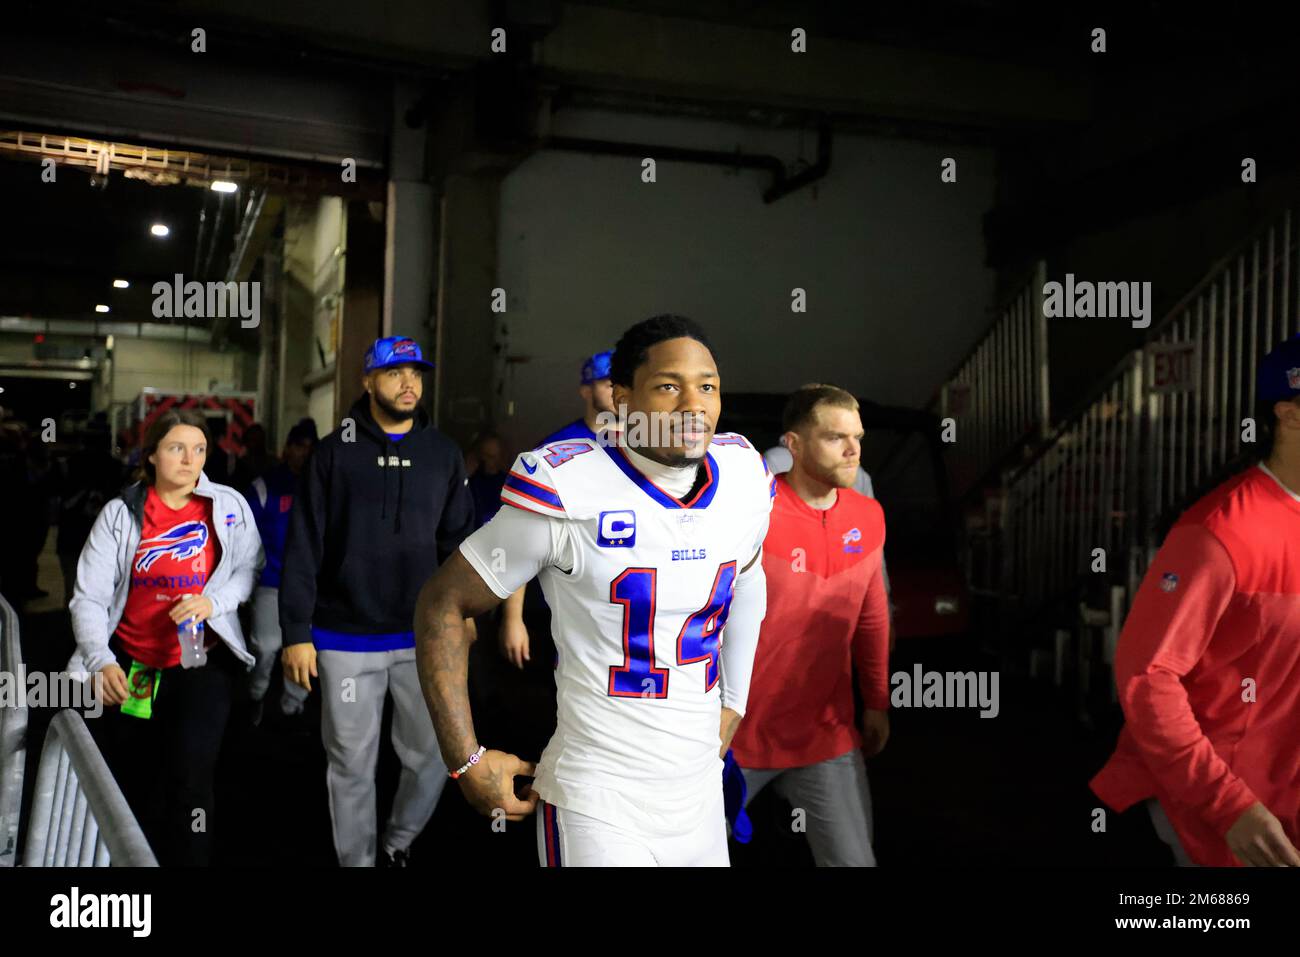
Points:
x=473 y=760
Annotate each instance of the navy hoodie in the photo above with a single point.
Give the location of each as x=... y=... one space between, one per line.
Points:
x=371 y=520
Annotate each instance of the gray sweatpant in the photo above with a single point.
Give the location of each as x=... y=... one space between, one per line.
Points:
x=1165 y=829
x=267 y=641
x=836 y=802
x=353 y=685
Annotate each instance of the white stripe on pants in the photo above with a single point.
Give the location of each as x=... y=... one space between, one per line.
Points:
x=353 y=686
x=836 y=802
x=266 y=642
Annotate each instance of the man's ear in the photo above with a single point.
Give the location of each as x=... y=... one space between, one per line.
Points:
x=621 y=394
x=791 y=441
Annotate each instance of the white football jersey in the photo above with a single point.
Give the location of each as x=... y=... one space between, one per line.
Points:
x=640 y=585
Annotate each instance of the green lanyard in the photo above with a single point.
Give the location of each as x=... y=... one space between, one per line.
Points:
x=141 y=690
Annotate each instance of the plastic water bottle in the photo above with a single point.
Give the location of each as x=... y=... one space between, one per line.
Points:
x=190 y=635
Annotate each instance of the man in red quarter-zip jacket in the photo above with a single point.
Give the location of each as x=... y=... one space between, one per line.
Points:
x=827 y=617
x=1207 y=663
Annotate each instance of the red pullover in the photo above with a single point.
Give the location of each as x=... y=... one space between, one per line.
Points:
x=1215 y=624
x=826 y=614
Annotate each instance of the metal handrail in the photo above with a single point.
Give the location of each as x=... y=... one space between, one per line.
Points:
x=1142 y=446
x=13 y=738
x=998 y=395
x=79 y=817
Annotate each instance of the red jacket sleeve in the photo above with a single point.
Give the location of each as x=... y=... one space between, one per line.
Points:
x=871 y=644
x=1167 y=631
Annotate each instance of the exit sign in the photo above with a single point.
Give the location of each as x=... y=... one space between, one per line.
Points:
x=1172 y=367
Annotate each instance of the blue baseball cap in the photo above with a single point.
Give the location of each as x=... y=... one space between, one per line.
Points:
x=395 y=351
x=1278 y=376
x=596 y=368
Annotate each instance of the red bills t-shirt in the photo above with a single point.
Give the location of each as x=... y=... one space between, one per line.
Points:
x=827 y=614
x=1208 y=670
x=177 y=551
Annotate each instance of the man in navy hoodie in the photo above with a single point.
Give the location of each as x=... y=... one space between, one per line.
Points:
x=382 y=500
x=270 y=496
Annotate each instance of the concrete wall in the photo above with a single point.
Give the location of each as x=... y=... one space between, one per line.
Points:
x=173 y=366
x=890 y=257
x=314 y=254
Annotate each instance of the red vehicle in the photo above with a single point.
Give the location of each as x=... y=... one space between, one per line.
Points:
x=228 y=414
x=903 y=456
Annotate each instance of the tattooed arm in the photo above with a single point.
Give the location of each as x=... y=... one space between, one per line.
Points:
x=490 y=564
x=443 y=636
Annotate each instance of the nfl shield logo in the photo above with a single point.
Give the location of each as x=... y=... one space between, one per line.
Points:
x=686 y=524
x=1168 y=581
x=1293 y=378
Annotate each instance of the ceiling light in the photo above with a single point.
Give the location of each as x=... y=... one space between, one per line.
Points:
x=158 y=229
x=121 y=284
x=101 y=308
x=224 y=186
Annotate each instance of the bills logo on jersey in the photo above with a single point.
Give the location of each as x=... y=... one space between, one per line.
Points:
x=849 y=537
x=1168 y=581
x=616 y=529
x=180 y=541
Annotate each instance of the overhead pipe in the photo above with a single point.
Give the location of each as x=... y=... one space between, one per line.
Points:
x=783 y=184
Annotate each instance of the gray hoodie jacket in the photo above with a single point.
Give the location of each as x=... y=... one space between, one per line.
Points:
x=104 y=572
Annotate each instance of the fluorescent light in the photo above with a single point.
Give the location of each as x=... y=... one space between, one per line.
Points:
x=121 y=284
x=224 y=186
x=158 y=229
x=101 y=308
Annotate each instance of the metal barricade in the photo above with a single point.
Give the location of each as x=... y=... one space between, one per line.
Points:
x=79 y=817
x=999 y=394
x=13 y=737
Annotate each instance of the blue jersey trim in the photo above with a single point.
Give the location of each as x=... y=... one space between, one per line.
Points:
x=326 y=640
x=576 y=429
x=701 y=499
x=533 y=490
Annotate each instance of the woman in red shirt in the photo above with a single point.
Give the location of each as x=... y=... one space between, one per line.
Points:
x=167 y=564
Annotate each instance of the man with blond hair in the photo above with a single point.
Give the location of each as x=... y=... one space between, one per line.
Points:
x=827 y=618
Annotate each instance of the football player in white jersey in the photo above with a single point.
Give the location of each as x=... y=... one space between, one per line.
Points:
x=648 y=549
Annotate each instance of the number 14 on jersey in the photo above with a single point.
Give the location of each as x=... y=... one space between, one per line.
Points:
x=698 y=641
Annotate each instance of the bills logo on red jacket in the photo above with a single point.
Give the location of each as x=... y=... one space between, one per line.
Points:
x=1168 y=581
x=180 y=541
